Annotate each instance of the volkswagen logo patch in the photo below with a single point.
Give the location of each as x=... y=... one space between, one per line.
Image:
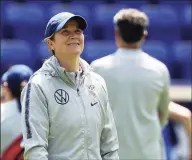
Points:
x=61 y=96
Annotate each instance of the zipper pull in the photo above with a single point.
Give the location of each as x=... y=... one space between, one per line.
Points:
x=78 y=91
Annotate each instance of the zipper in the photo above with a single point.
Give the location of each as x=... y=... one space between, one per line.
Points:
x=78 y=93
x=86 y=121
x=77 y=83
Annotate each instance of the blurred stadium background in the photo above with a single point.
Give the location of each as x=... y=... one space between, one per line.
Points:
x=170 y=34
x=169 y=40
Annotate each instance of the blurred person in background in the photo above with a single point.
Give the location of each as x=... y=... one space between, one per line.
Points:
x=65 y=108
x=12 y=83
x=138 y=86
x=182 y=115
x=143 y=101
x=2 y=97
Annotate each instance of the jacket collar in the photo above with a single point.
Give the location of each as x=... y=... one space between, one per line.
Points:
x=52 y=67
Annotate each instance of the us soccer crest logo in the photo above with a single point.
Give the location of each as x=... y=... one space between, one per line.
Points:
x=91 y=89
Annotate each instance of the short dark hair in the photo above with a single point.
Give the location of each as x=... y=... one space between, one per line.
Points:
x=131 y=24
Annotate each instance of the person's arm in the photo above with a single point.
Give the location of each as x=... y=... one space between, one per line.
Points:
x=183 y=115
x=35 y=123
x=164 y=99
x=109 y=139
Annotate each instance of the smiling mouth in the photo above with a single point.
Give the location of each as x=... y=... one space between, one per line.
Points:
x=73 y=44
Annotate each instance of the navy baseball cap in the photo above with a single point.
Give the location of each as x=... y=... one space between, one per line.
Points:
x=15 y=76
x=57 y=22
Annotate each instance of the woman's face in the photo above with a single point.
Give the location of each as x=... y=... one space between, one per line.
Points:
x=69 y=41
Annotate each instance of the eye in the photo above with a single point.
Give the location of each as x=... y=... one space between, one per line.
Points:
x=65 y=32
x=78 y=31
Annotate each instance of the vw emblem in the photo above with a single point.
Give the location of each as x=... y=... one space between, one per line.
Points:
x=61 y=96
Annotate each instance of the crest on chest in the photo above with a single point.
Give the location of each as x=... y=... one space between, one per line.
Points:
x=92 y=90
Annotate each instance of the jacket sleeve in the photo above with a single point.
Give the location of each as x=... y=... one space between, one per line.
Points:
x=164 y=99
x=35 y=123
x=109 y=139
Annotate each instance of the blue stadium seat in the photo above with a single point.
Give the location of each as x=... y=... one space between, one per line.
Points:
x=157 y=14
x=7 y=30
x=44 y=4
x=27 y=21
x=43 y=52
x=97 y=49
x=156 y=49
x=103 y=20
x=178 y=5
x=163 y=22
x=159 y=50
x=133 y=3
x=182 y=54
x=187 y=15
x=104 y=12
x=15 y=52
x=74 y=8
x=89 y=4
x=186 y=22
x=3 y=7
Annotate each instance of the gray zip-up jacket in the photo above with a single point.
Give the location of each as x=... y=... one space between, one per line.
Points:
x=67 y=115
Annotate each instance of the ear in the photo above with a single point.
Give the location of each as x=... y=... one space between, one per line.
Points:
x=117 y=35
x=5 y=84
x=23 y=83
x=145 y=33
x=50 y=44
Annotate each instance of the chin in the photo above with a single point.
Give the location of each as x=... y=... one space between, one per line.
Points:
x=76 y=52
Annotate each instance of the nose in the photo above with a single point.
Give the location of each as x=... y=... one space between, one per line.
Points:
x=73 y=35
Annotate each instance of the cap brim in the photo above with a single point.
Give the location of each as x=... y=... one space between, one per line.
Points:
x=82 y=22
